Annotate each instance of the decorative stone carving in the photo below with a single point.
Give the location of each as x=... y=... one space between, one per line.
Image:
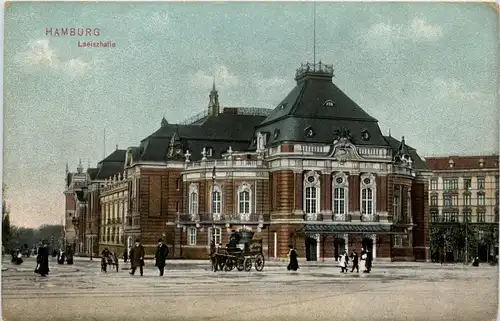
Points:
x=204 y=154
x=343 y=148
x=402 y=157
x=230 y=153
x=174 y=151
x=187 y=155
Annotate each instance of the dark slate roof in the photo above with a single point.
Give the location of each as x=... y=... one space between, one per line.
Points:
x=346 y=228
x=304 y=107
x=92 y=172
x=418 y=162
x=111 y=165
x=229 y=128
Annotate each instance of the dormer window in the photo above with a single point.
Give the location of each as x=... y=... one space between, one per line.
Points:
x=282 y=106
x=309 y=132
x=276 y=133
x=451 y=163
x=365 y=135
x=329 y=103
x=261 y=141
x=210 y=151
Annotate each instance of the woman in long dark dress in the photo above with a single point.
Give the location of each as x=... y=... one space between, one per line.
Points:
x=43 y=260
x=294 y=264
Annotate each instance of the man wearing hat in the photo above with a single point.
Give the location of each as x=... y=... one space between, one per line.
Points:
x=161 y=256
x=137 y=257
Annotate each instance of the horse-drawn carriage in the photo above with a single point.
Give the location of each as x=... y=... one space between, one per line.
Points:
x=109 y=258
x=242 y=252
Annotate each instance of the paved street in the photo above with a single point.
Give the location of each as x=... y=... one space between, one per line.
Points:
x=189 y=291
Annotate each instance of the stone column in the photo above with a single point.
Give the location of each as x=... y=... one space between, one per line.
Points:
x=346 y=240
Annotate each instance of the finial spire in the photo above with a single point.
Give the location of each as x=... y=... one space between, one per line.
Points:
x=80 y=167
x=116 y=146
x=67 y=167
x=389 y=132
x=213 y=85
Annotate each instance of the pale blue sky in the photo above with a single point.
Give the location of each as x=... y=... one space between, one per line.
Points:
x=427 y=71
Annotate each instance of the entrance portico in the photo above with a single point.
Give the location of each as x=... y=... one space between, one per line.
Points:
x=346 y=235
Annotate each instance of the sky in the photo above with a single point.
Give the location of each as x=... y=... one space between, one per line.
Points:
x=427 y=71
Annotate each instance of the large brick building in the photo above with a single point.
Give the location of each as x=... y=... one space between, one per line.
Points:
x=316 y=172
x=465 y=190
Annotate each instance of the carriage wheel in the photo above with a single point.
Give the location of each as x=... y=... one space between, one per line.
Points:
x=229 y=265
x=259 y=262
x=240 y=264
x=247 y=264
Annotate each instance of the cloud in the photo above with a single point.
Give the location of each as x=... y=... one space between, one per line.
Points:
x=224 y=79
x=39 y=56
x=422 y=31
x=453 y=89
x=385 y=35
x=271 y=85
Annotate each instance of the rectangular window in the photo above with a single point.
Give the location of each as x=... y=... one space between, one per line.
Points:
x=339 y=200
x=454 y=200
x=396 y=207
x=310 y=202
x=216 y=202
x=446 y=217
x=398 y=241
x=434 y=184
x=367 y=201
x=497 y=198
x=480 y=183
x=467 y=216
x=497 y=183
x=193 y=203
x=244 y=202
x=434 y=216
x=454 y=216
x=434 y=200
x=481 y=217
x=481 y=201
x=446 y=200
x=215 y=234
x=192 y=236
x=467 y=184
x=178 y=184
x=467 y=199
x=450 y=184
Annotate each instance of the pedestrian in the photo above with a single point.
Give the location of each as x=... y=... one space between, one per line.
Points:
x=476 y=261
x=125 y=255
x=104 y=259
x=294 y=263
x=362 y=260
x=344 y=261
x=355 y=261
x=369 y=260
x=161 y=256
x=137 y=258
x=42 y=260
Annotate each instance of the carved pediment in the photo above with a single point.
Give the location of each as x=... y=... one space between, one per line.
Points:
x=343 y=148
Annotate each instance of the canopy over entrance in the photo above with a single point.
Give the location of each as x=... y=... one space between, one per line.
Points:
x=350 y=228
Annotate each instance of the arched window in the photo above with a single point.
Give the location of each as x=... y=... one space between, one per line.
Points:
x=193 y=199
x=368 y=192
x=244 y=199
x=340 y=195
x=311 y=195
x=216 y=200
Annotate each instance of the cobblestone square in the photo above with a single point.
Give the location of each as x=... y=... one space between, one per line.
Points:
x=189 y=291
